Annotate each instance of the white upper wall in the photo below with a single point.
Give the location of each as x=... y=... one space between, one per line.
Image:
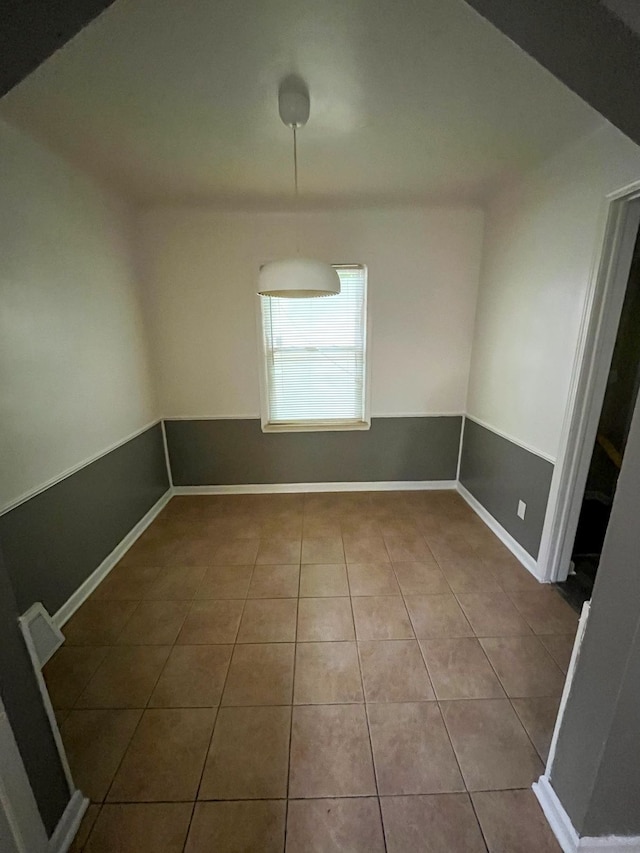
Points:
x=202 y=271
x=74 y=369
x=543 y=236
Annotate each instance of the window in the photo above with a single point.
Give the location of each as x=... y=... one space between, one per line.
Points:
x=314 y=357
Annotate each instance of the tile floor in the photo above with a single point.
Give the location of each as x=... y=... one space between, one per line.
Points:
x=321 y=672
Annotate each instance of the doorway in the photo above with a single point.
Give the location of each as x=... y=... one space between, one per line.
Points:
x=601 y=400
x=609 y=445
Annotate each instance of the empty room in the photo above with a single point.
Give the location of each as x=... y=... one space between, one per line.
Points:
x=320 y=450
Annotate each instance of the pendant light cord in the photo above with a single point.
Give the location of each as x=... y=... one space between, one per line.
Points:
x=295 y=184
x=295 y=160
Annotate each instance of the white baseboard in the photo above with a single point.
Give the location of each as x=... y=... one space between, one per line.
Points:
x=565 y=833
x=556 y=816
x=68 y=824
x=85 y=589
x=504 y=536
x=295 y=488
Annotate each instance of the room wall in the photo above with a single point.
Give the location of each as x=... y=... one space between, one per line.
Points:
x=75 y=374
x=201 y=278
x=75 y=370
x=75 y=379
x=542 y=236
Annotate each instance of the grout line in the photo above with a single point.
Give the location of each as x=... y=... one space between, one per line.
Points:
x=473 y=807
x=366 y=712
x=293 y=677
x=219 y=706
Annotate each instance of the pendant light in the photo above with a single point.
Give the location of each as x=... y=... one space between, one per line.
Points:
x=297 y=277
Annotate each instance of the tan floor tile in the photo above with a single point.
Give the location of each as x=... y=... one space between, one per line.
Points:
x=327 y=674
x=372 y=579
x=399 y=527
x=524 y=666
x=559 y=647
x=260 y=675
x=513 y=822
x=321 y=527
x=538 y=716
x=360 y=526
x=269 y=620
x=359 y=548
x=141 y=828
x=393 y=671
x=285 y=527
x=324 y=549
x=154 y=623
x=68 y=672
x=323 y=580
x=236 y=827
x=86 y=825
x=95 y=742
x=511 y=576
x=125 y=584
x=492 y=614
x=411 y=749
x=469 y=575
x=193 y=677
x=126 y=678
x=381 y=618
x=210 y=621
x=329 y=826
x=98 y=623
x=195 y=550
x=175 y=584
x=278 y=550
x=61 y=715
x=330 y=752
x=437 y=616
x=545 y=611
x=249 y=755
x=459 y=669
x=491 y=745
x=275 y=582
x=236 y=552
x=321 y=619
x=150 y=551
x=407 y=549
x=165 y=758
x=436 y=823
x=421 y=578
x=225 y=582
x=238 y=527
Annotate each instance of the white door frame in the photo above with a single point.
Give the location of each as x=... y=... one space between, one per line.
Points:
x=598 y=330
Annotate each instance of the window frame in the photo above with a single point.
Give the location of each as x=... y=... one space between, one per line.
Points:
x=317 y=426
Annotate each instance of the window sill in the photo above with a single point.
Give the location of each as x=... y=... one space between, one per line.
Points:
x=317 y=427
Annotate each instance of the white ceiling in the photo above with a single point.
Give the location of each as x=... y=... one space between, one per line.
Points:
x=411 y=101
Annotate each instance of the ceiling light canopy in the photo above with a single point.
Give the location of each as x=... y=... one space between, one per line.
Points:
x=296 y=278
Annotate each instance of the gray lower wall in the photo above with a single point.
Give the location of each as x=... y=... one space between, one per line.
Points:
x=235 y=451
x=499 y=473
x=54 y=541
x=25 y=710
x=596 y=769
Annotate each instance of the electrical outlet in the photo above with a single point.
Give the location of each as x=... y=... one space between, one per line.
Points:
x=522 y=508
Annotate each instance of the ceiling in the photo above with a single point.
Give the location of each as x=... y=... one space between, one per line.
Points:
x=411 y=101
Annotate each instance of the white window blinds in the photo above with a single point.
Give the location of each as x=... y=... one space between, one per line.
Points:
x=314 y=353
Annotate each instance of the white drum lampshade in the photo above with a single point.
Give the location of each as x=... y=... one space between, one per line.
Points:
x=298 y=278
